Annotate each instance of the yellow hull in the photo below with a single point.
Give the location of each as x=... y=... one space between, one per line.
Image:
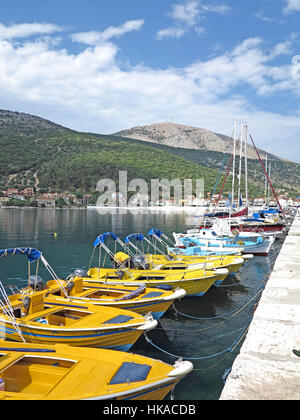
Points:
x=232 y=263
x=116 y=339
x=127 y=298
x=194 y=282
x=157 y=309
x=60 y=372
x=50 y=321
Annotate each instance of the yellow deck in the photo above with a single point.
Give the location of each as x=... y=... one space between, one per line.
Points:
x=67 y=372
x=192 y=281
x=71 y=323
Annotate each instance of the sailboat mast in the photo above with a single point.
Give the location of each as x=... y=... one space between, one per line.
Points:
x=264 y=169
x=246 y=164
x=233 y=164
x=268 y=194
x=266 y=181
x=240 y=163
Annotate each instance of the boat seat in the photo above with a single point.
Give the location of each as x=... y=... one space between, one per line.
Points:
x=34 y=303
x=75 y=286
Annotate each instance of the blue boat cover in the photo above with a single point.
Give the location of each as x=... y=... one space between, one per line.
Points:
x=152 y=295
x=130 y=372
x=156 y=232
x=32 y=254
x=102 y=238
x=136 y=236
x=119 y=319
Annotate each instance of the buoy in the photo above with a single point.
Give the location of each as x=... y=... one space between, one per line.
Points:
x=55 y=234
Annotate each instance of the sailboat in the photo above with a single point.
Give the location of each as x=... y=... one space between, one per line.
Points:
x=241 y=211
x=240 y=219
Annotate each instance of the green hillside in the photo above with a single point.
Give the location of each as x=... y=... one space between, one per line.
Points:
x=285 y=175
x=38 y=153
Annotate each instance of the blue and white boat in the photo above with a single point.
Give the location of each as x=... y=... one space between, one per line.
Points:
x=209 y=240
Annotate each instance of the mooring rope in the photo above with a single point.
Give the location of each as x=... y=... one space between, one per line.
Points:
x=235 y=311
x=229 y=314
x=227 y=349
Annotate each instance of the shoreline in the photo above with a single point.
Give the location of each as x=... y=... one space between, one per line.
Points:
x=165 y=208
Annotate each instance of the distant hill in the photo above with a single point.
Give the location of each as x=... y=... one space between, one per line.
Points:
x=49 y=157
x=186 y=137
x=208 y=149
x=38 y=153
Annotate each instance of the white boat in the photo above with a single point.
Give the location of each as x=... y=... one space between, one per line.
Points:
x=209 y=239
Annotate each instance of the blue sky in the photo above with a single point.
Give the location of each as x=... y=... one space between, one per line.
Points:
x=100 y=66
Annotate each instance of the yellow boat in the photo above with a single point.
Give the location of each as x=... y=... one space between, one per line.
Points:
x=62 y=372
x=232 y=262
x=176 y=261
x=140 y=299
x=195 y=282
x=31 y=316
x=45 y=320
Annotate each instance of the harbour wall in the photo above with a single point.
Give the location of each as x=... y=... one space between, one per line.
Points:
x=266 y=367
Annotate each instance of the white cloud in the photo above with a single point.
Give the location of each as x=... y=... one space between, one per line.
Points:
x=95 y=37
x=292 y=6
x=222 y=8
x=187 y=16
x=171 y=32
x=260 y=15
x=89 y=91
x=24 y=30
x=186 y=13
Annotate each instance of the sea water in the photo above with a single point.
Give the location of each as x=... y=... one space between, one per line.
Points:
x=206 y=330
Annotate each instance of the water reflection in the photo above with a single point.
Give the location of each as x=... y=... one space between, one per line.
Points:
x=176 y=334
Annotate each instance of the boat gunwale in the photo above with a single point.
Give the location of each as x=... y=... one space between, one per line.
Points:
x=62 y=329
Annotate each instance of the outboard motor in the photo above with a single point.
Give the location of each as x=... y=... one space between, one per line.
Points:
x=138 y=262
x=36 y=283
x=120 y=274
x=80 y=272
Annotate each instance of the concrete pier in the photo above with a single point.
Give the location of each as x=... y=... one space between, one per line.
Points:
x=266 y=368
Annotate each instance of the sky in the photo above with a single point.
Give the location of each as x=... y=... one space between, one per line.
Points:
x=104 y=66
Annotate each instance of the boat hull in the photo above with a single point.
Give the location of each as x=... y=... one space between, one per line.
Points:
x=157 y=306
x=62 y=372
x=201 y=263
x=117 y=339
x=191 y=284
x=239 y=246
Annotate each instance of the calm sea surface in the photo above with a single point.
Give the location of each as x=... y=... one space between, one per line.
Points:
x=206 y=342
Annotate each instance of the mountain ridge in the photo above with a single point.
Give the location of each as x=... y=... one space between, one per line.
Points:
x=39 y=153
x=188 y=137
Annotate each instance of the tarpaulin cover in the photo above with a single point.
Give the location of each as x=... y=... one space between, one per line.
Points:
x=102 y=238
x=156 y=232
x=130 y=372
x=32 y=254
x=136 y=236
